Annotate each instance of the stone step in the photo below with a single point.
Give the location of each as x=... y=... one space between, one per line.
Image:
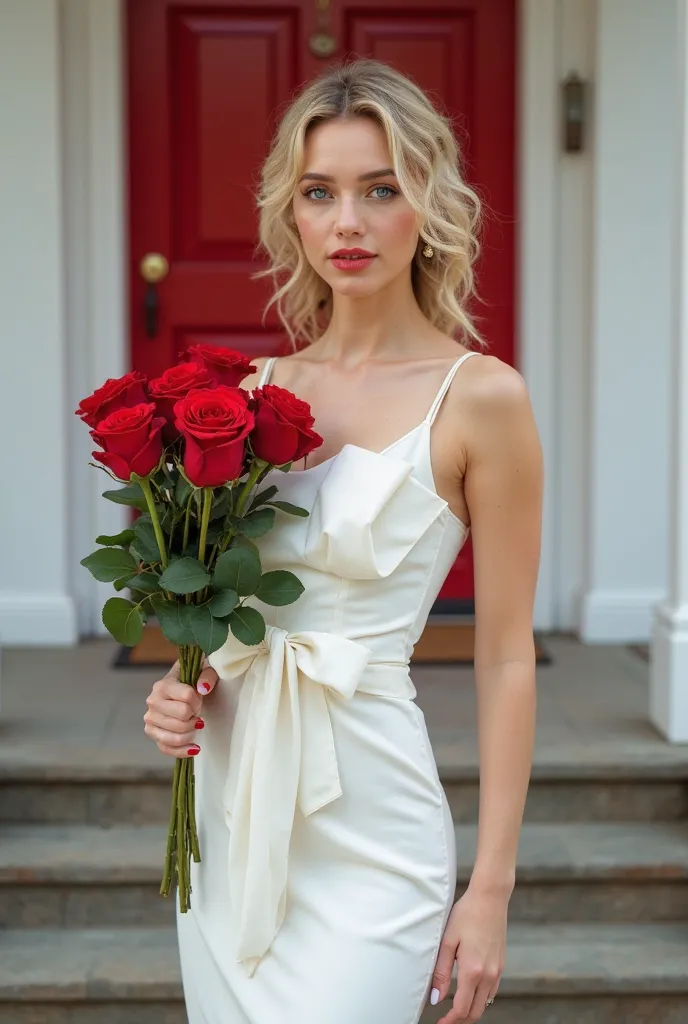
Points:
x=99 y=791
x=555 y=974
x=79 y=876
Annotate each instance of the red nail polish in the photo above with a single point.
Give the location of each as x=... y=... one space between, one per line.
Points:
x=205 y=687
x=192 y=751
x=199 y=724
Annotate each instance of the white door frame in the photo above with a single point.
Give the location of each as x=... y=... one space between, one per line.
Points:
x=96 y=249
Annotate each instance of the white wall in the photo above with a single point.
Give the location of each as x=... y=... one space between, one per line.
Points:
x=96 y=302
x=35 y=604
x=628 y=372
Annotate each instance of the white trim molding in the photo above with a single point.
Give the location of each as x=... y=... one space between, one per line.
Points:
x=669 y=658
x=537 y=258
x=617 y=616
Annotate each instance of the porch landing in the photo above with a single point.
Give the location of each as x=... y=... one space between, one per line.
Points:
x=67 y=708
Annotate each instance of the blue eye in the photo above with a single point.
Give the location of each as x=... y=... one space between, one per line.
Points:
x=316 y=188
x=385 y=188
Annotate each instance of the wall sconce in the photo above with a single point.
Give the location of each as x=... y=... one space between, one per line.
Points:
x=573 y=91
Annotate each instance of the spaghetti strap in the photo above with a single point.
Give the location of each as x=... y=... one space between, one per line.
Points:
x=267 y=371
x=444 y=387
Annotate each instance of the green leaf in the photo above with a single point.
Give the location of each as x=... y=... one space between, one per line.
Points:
x=172 y=616
x=243 y=542
x=285 y=467
x=182 y=491
x=255 y=524
x=286 y=506
x=248 y=625
x=185 y=576
x=109 y=564
x=124 y=582
x=165 y=517
x=170 y=477
x=221 y=505
x=215 y=532
x=263 y=496
x=123 y=620
x=146 y=582
x=210 y=634
x=129 y=495
x=120 y=539
x=279 y=587
x=224 y=603
x=145 y=542
x=237 y=569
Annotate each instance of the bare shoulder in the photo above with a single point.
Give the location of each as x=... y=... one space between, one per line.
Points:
x=492 y=400
x=491 y=385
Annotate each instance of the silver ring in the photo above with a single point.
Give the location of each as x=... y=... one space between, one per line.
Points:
x=489 y=1002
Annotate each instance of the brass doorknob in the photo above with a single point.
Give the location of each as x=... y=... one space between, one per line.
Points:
x=154 y=267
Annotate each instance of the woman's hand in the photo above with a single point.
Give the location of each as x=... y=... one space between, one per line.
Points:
x=172 y=719
x=475 y=936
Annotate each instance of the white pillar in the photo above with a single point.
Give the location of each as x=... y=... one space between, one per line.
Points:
x=669 y=661
x=35 y=602
x=628 y=362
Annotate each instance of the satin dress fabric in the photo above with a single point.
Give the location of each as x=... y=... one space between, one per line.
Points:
x=328 y=859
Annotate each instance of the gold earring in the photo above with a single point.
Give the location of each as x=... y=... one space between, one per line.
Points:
x=428 y=251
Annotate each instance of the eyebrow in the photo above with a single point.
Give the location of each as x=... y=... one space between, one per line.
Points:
x=384 y=172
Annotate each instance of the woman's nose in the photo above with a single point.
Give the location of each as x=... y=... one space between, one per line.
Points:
x=348 y=217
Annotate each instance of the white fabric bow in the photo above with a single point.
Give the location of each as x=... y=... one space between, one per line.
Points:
x=282 y=753
x=370 y=512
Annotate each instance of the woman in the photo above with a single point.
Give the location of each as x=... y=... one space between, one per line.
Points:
x=326 y=891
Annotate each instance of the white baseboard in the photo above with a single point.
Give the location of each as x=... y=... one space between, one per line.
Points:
x=37 y=620
x=618 y=616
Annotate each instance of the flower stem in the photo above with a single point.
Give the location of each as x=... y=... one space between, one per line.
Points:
x=182 y=834
x=257 y=467
x=144 y=483
x=167 y=873
x=187 y=520
x=207 y=504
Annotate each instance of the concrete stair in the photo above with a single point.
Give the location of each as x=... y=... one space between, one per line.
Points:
x=598 y=921
x=556 y=975
x=86 y=876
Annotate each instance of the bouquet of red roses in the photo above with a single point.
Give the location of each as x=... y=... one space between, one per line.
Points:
x=192 y=448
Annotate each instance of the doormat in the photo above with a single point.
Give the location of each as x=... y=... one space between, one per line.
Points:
x=446 y=643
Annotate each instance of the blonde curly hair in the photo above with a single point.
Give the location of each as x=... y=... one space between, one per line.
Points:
x=425 y=156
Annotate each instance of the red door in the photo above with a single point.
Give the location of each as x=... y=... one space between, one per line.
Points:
x=206 y=83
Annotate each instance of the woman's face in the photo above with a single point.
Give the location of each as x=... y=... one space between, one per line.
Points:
x=349 y=199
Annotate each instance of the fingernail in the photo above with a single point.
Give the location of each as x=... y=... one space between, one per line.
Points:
x=204 y=687
x=192 y=751
x=199 y=724
x=435 y=996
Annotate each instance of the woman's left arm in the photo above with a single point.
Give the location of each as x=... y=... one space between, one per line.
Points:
x=503 y=490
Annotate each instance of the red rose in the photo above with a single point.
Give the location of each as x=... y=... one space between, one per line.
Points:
x=283 y=430
x=174 y=384
x=131 y=440
x=116 y=393
x=226 y=365
x=214 y=424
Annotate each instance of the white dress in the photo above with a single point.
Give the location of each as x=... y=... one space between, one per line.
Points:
x=329 y=865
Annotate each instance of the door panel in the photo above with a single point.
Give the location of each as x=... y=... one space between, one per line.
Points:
x=206 y=85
